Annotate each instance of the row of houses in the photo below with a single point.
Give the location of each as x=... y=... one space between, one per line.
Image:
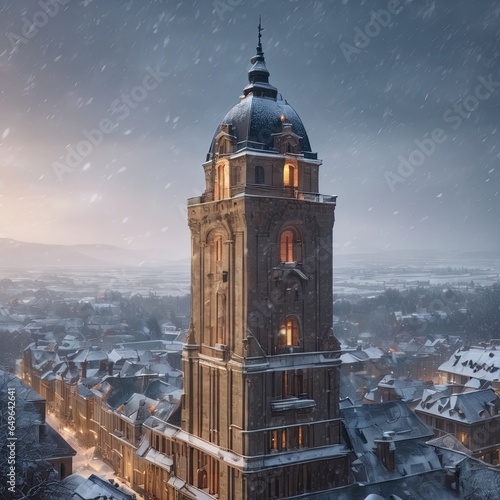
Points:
x=462 y=399
x=107 y=397
x=127 y=402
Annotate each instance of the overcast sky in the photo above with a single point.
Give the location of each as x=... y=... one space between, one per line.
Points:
x=158 y=76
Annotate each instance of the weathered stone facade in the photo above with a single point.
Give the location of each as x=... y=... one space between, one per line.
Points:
x=260 y=416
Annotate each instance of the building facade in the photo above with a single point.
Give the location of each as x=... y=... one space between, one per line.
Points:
x=260 y=414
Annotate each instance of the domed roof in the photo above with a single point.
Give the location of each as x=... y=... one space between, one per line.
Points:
x=261 y=113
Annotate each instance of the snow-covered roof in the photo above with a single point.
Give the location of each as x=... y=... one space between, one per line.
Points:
x=138 y=407
x=118 y=354
x=474 y=362
x=366 y=423
x=96 y=487
x=406 y=389
x=466 y=407
x=450 y=442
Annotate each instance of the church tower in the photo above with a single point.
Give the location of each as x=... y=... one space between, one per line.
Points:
x=260 y=413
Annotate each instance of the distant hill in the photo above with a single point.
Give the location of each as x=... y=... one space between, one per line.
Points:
x=420 y=257
x=18 y=254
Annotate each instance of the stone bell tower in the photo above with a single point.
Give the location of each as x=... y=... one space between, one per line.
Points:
x=260 y=415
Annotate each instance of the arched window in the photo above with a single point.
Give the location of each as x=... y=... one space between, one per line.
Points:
x=290 y=247
x=202 y=479
x=289 y=332
x=222 y=183
x=290 y=178
x=259 y=175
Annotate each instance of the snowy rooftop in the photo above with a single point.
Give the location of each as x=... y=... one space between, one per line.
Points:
x=467 y=407
x=475 y=362
x=366 y=423
x=95 y=487
x=406 y=389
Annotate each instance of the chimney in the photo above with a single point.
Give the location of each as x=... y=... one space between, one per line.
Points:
x=385 y=450
x=84 y=369
x=110 y=367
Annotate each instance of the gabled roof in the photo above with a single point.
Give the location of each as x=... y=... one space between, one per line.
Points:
x=366 y=423
x=89 y=354
x=466 y=407
x=449 y=442
x=138 y=407
x=405 y=388
x=410 y=459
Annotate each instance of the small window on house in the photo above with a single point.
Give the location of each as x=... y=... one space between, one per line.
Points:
x=259 y=175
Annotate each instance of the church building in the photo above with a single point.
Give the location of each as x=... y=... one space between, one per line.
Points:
x=260 y=412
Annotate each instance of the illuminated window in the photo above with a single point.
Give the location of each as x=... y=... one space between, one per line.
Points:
x=463 y=438
x=300 y=441
x=290 y=247
x=259 y=175
x=283 y=439
x=274 y=440
x=278 y=440
x=289 y=332
x=287 y=246
x=290 y=176
x=222 y=183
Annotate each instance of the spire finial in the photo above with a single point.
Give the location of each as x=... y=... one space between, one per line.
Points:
x=260 y=29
